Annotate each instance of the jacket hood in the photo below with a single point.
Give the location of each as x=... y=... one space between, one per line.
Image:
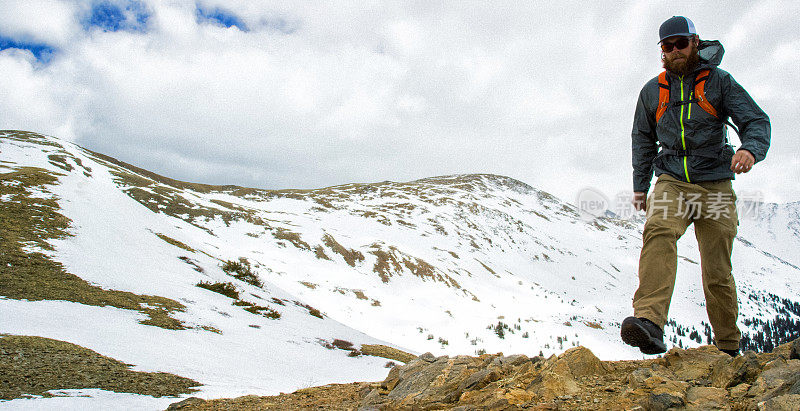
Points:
x=710 y=52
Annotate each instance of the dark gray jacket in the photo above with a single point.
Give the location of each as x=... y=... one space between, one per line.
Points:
x=689 y=127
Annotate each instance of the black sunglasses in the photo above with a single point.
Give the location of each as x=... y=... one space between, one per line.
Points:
x=680 y=44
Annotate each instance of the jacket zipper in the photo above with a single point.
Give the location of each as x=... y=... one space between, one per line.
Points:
x=683 y=136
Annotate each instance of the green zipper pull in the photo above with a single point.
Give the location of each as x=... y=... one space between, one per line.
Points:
x=683 y=136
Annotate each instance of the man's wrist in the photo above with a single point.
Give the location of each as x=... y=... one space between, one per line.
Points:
x=748 y=151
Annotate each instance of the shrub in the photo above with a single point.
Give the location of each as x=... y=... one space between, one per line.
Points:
x=257 y=309
x=241 y=270
x=592 y=324
x=500 y=328
x=311 y=310
x=214 y=330
x=315 y=312
x=226 y=289
x=175 y=242
x=265 y=311
x=342 y=344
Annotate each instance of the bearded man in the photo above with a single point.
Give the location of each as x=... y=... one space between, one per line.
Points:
x=679 y=133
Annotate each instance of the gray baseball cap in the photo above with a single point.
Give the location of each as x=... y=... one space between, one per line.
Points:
x=676 y=26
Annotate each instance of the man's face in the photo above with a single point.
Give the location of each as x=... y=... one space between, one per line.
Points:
x=677 y=60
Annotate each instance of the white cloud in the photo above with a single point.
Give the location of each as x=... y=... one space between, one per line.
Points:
x=330 y=93
x=31 y=97
x=49 y=21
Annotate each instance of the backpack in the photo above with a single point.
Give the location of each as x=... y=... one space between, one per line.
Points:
x=699 y=95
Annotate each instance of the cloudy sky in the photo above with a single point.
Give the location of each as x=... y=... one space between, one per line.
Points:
x=305 y=94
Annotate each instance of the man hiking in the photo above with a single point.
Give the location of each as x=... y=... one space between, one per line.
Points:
x=679 y=133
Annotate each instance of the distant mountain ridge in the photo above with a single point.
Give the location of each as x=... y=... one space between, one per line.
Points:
x=462 y=264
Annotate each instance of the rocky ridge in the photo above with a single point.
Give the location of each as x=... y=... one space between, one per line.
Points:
x=700 y=378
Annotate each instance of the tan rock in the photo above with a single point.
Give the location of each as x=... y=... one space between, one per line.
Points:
x=512 y=360
x=480 y=379
x=424 y=381
x=788 y=402
x=559 y=374
x=471 y=397
x=637 y=378
x=662 y=402
x=554 y=385
x=581 y=362
x=391 y=380
x=789 y=351
x=675 y=388
x=707 y=398
x=742 y=369
x=777 y=381
x=524 y=376
x=518 y=396
x=740 y=390
x=780 y=361
x=694 y=364
x=654 y=381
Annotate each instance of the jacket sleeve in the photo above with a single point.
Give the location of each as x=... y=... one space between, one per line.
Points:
x=643 y=143
x=753 y=123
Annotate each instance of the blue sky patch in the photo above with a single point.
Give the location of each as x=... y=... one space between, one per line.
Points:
x=220 y=17
x=42 y=52
x=128 y=15
x=280 y=24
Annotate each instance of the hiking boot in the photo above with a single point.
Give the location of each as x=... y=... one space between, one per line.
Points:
x=732 y=353
x=644 y=334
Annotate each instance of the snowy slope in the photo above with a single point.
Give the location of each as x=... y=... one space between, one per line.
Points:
x=775 y=229
x=451 y=265
x=115 y=246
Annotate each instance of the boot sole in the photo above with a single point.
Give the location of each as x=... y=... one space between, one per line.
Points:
x=634 y=334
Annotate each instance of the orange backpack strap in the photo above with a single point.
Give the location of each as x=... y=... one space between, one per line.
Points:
x=700 y=93
x=663 y=95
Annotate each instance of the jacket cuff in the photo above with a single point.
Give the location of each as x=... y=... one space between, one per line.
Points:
x=752 y=152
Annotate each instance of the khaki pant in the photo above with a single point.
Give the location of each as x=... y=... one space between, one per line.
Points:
x=673 y=205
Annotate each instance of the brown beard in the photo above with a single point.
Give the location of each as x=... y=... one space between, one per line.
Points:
x=683 y=67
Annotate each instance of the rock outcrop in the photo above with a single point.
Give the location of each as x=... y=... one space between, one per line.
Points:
x=695 y=379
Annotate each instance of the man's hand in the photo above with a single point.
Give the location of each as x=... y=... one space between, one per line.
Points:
x=639 y=200
x=742 y=162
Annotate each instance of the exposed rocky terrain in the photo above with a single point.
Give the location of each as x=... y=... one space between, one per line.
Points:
x=31 y=366
x=696 y=379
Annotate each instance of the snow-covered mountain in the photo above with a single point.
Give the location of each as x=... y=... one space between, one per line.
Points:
x=452 y=265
